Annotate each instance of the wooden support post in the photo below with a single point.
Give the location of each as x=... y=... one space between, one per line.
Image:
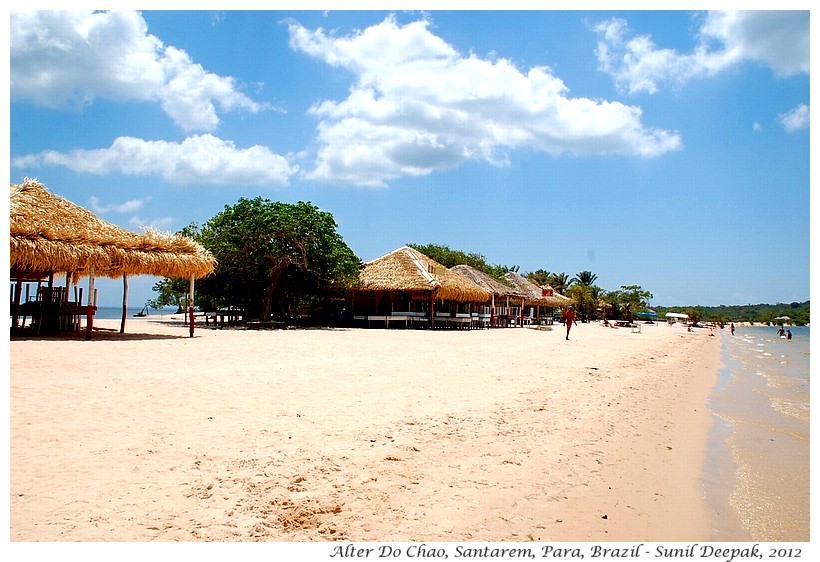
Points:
x=191 y=306
x=18 y=292
x=90 y=304
x=124 y=302
x=89 y=321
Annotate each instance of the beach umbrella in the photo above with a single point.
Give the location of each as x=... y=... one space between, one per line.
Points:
x=49 y=234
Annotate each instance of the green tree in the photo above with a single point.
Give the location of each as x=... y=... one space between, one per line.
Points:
x=274 y=256
x=798 y=312
x=628 y=300
x=560 y=282
x=499 y=272
x=585 y=301
x=172 y=291
x=695 y=315
x=448 y=257
x=539 y=277
x=585 y=278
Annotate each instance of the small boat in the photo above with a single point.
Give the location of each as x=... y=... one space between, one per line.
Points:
x=143 y=312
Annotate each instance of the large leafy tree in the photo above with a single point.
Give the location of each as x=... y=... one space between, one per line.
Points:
x=695 y=314
x=274 y=256
x=628 y=300
x=171 y=291
x=584 y=300
x=449 y=257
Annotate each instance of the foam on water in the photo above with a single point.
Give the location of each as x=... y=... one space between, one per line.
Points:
x=757 y=470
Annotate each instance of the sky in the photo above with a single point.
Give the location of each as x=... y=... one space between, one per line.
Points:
x=666 y=149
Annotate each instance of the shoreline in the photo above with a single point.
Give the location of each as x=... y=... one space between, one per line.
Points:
x=361 y=435
x=762 y=438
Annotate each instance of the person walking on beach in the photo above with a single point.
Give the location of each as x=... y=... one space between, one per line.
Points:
x=569 y=316
x=788 y=335
x=732 y=326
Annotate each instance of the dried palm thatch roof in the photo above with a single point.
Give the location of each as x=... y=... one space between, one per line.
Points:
x=407 y=269
x=535 y=294
x=50 y=234
x=487 y=282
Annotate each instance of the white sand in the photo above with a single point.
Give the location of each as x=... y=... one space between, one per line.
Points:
x=360 y=435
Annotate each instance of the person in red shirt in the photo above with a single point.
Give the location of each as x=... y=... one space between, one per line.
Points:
x=569 y=316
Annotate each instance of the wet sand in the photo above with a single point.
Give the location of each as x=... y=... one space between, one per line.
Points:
x=762 y=409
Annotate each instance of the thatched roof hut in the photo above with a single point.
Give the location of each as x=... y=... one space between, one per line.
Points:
x=50 y=234
x=407 y=269
x=488 y=283
x=535 y=295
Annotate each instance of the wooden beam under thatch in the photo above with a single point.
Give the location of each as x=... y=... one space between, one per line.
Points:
x=50 y=234
x=407 y=269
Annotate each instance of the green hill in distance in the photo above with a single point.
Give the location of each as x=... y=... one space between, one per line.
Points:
x=798 y=313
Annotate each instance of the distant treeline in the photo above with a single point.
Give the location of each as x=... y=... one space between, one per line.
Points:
x=798 y=312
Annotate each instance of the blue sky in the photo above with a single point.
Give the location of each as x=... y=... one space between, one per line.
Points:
x=667 y=149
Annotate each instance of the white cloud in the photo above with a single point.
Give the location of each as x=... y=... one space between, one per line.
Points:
x=796 y=119
x=162 y=224
x=417 y=105
x=127 y=207
x=777 y=39
x=131 y=206
x=200 y=159
x=71 y=58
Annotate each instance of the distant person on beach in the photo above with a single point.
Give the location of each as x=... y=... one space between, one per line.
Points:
x=732 y=326
x=788 y=335
x=781 y=332
x=570 y=319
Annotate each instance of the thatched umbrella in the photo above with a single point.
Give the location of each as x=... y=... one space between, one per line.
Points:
x=50 y=234
x=606 y=309
x=407 y=269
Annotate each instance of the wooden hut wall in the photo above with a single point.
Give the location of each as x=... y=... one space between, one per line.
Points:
x=367 y=302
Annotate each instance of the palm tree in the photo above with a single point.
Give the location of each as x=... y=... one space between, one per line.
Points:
x=585 y=278
x=539 y=277
x=559 y=282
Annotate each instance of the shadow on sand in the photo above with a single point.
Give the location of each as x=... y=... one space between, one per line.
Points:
x=98 y=334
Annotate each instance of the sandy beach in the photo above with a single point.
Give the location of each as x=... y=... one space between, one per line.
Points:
x=360 y=434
